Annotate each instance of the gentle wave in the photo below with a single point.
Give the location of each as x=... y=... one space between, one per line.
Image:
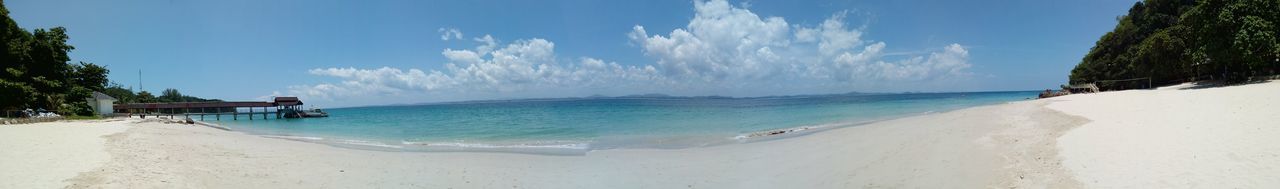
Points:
x=774 y=132
x=293 y=137
x=794 y=131
x=575 y=145
x=577 y=126
x=539 y=147
x=367 y=143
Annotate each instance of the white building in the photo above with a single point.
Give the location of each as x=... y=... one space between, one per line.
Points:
x=101 y=103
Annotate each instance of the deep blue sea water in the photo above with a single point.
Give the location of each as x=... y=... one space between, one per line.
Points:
x=577 y=125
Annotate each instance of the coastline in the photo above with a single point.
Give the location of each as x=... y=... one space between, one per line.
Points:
x=1064 y=142
x=970 y=150
x=666 y=138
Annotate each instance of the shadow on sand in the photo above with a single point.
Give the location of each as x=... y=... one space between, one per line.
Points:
x=1216 y=84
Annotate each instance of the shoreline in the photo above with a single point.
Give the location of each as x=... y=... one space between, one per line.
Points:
x=881 y=154
x=1077 y=141
x=580 y=148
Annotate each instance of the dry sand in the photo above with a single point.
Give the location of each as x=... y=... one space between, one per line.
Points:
x=993 y=146
x=1215 y=138
x=1176 y=137
x=43 y=155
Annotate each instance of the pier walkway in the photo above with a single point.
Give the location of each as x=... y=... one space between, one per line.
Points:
x=250 y=109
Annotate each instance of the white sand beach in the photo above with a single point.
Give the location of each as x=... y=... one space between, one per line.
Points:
x=1175 y=137
x=43 y=155
x=1169 y=138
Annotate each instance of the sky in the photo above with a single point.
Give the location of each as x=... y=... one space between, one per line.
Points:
x=352 y=53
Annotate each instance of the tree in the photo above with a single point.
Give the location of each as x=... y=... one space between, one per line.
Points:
x=35 y=73
x=1256 y=43
x=146 y=97
x=1172 y=41
x=15 y=95
x=91 y=76
x=12 y=44
x=48 y=52
x=1162 y=56
x=121 y=94
x=171 y=95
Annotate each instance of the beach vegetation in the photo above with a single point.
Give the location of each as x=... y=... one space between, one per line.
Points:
x=146 y=97
x=126 y=95
x=1174 y=41
x=36 y=73
x=172 y=95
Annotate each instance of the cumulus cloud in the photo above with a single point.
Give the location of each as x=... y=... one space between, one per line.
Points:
x=522 y=65
x=719 y=42
x=449 y=33
x=723 y=50
x=724 y=42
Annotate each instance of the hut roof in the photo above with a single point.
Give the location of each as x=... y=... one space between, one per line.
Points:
x=287 y=101
x=101 y=96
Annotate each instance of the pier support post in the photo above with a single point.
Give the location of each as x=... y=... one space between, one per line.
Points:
x=250 y=113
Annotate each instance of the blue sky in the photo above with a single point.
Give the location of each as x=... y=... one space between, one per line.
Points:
x=345 y=53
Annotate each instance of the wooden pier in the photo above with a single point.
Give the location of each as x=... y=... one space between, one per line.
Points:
x=215 y=110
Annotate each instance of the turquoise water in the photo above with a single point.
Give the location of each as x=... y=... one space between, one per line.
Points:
x=577 y=125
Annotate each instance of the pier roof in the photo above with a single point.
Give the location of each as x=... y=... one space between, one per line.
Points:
x=279 y=101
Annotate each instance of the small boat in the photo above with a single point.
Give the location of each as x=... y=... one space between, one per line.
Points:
x=306 y=114
x=314 y=113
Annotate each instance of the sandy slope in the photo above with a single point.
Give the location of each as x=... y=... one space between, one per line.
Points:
x=1176 y=137
x=43 y=155
x=992 y=146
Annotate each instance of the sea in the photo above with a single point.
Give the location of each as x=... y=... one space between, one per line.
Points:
x=575 y=126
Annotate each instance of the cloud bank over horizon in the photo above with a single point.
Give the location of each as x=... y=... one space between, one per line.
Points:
x=723 y=50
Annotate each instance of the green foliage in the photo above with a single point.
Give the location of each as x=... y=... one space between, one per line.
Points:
x=1173 y=41
x=35 y=73
x=91 y=76
x=121 y=94
x=172 y=95
x=146 y=97
x=77 y=101
x=15 y=95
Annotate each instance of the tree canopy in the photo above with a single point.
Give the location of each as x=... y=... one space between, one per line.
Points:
x=1172 y=41
x=35 y=73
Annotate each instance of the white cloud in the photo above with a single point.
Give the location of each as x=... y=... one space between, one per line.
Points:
x=449 y=33
x=724 y=42
x=951 y=62
x=524 y=65
x=719 y=42
x=724 y=50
